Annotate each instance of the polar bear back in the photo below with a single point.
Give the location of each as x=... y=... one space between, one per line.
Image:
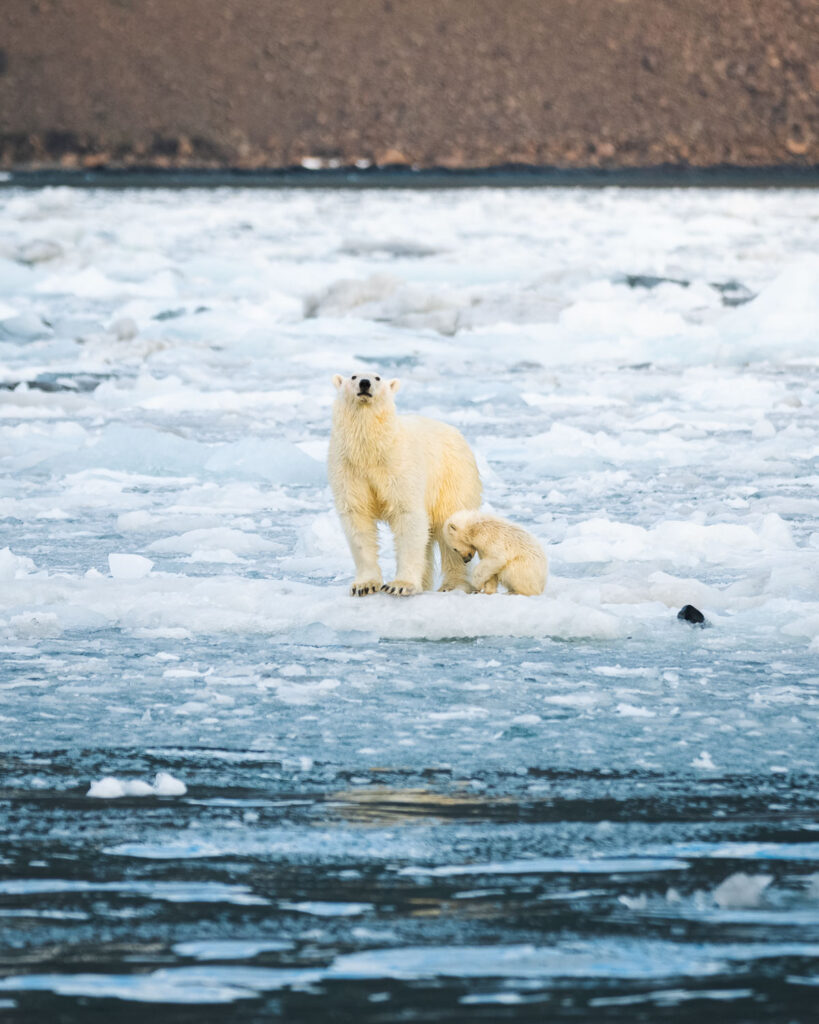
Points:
x=493 y=535
x=441 y=454
x=384 y=465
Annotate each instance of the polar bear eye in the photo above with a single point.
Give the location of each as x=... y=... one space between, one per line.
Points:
x=378 y=378
x=353 y=377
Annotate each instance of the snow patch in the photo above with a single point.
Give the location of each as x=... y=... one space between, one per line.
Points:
x=741 y=890
x=111 y=788
x=129 y=567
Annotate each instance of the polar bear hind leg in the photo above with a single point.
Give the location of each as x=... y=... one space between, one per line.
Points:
x=429 y=565
x=523 y=576
x=487 y=573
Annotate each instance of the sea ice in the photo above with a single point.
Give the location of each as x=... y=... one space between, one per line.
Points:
x=110 y=788
x=170 y=405
x=129 y=567
x=166 y=785
x=741 y=890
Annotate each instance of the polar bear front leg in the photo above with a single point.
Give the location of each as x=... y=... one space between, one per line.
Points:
x=485 y=576
x=411 y=532
x=362 y=536
x=455 y=573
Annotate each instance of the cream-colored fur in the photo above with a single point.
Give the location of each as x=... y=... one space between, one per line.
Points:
x=408 y=471
x=508 y=554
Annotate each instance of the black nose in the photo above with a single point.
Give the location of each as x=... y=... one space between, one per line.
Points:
x=363 y=384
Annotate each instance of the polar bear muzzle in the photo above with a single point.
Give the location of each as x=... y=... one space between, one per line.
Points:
x=362 y=390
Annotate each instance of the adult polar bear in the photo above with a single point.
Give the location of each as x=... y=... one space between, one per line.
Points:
x=408 y=471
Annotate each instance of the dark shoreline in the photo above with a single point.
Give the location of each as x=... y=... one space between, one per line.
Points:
x=420 y=83
x=662 y=176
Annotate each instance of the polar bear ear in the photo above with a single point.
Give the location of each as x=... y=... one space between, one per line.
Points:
x=338 y=380
x=394 y=384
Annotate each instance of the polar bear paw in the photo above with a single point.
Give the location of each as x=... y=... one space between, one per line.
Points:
x=400 y=588
x=361 y=588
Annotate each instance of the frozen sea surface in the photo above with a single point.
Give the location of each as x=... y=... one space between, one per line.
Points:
x=226 y=784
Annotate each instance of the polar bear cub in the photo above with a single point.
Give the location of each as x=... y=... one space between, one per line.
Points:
x=408 y=471
x=508 y=554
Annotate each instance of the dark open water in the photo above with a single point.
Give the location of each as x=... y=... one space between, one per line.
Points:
x=355 y=861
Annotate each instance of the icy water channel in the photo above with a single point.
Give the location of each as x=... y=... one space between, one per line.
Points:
x=229 y=791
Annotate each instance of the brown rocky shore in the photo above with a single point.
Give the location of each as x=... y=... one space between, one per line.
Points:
x=426 y=83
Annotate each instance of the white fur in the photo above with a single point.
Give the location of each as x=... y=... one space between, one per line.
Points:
x=508 y=554
x=408 y=471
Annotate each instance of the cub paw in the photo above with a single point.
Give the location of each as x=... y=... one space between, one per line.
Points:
x=400 y=588
x=363 y=587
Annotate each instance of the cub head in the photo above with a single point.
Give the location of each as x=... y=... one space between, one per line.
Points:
x=456 y=534
x=365 y=390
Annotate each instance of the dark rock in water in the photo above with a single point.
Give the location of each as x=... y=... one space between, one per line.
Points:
x=53 y=382
x=651 y=281
x=688 y=613
x=733 y=293
x=387 y=246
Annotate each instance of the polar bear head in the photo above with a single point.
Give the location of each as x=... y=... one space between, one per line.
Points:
x=365 y=390
x=458 y=533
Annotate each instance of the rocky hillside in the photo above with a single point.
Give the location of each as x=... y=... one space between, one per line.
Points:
x=272 y=83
